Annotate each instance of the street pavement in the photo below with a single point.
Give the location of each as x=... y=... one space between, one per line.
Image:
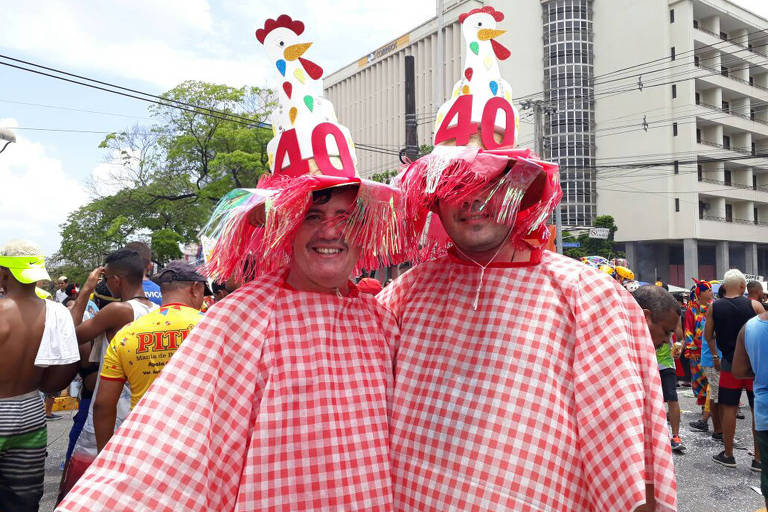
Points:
x=702 y=485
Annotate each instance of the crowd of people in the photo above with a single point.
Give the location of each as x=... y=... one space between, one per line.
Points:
x=475 y=381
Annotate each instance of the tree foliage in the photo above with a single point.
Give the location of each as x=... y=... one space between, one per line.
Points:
x=167 y=177
x=594 y=246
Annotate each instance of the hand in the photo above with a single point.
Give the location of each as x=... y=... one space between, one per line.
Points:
x=93 y=278
x=717 y=364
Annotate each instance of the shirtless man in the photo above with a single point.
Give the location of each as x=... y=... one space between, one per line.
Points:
x=40 y=352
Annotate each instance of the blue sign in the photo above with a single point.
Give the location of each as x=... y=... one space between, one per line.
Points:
x=571 y=245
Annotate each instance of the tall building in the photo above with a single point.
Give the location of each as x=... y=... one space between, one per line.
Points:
x=657 y=112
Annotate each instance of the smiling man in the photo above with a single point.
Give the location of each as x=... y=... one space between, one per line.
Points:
x=507 y=350
x=278 y=399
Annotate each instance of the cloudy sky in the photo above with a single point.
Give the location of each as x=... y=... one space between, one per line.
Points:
x=150 y=46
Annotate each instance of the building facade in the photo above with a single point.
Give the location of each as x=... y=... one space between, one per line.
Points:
x=657 y=112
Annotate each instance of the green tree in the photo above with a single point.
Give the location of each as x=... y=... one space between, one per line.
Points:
x=594 y=246
x=167 y=177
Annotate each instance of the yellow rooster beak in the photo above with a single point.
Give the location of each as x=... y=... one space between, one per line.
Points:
x=487 y=33
x=295 y=51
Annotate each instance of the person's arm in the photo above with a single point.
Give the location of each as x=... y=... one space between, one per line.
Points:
x=57 y=377
x=711 y=342
x=105 y=410
x=650 y=500
x=85 y=292
x=709 y=328
x=741 y=367
x=113 y=316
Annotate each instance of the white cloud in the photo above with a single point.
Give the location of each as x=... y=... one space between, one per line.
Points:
x=37 y=193
x=165 y=43
x=162 y=43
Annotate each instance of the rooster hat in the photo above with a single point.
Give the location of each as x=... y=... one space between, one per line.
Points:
x=251 y=230
x=474 y=153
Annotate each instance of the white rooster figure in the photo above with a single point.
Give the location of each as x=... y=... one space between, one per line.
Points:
x=300 y=102
x=482 y=77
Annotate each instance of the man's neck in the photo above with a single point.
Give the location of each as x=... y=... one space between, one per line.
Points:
x=507 y=253
x=136 y=292
x=306 y=285
x=729 y=296
x=21 y=293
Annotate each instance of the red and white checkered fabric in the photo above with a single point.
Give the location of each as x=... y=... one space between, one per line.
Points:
x=546 y=398
x=277 y=400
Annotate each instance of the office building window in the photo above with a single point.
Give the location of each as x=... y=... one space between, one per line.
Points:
x=698 y=98
x=671 y=15
x=674 y=129
x=727 y=177
x=695 y=23
x=672 y=53
x=726 y=106
x=754 y=182
x=677 y=204
x=698 y=135
x=674 y=91
x=728 y=213
x=677 y=167
x=723 y=36
x=723 y=70
x=755 y=213
x=696 y=60
x=700 y=171
x=726 y=142
x=702 y=209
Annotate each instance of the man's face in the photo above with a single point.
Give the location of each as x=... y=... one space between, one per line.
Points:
x=472 y=230
x=705 y=297
x=322 y=259
x=664 y=328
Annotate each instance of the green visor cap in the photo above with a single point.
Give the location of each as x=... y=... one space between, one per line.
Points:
x=26 y=269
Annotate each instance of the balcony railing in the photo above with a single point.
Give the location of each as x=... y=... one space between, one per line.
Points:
x=729 y=76
x=725 y=183
x=746 y=47
x=746 y=151
x=733 y=221
x=731 y=112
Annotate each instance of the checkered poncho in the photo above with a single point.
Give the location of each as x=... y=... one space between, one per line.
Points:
x=545 y=398
x=277 y=400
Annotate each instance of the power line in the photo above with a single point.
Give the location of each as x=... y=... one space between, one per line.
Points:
x=163 y=100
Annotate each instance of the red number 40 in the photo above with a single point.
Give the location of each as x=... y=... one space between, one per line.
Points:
x=289 y=147
x=464 y=128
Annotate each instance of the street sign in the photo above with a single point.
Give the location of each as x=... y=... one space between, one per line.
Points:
x=601 y=233
x=571 y=245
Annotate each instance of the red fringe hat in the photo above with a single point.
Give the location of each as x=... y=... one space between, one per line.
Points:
x=474 y=155
x=251 y=231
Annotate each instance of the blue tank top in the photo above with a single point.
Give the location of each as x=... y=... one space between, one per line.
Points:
x=756 y=343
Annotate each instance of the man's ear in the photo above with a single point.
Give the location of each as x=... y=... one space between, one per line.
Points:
x=648 y=317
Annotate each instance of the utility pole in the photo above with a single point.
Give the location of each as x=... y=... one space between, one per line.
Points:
x=539 y=107
x=438 y=92
x=411 y=133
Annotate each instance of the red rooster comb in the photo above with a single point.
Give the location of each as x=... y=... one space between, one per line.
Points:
x=498 y=16
x=282 y=21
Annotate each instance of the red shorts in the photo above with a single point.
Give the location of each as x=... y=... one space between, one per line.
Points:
x=730 y=389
